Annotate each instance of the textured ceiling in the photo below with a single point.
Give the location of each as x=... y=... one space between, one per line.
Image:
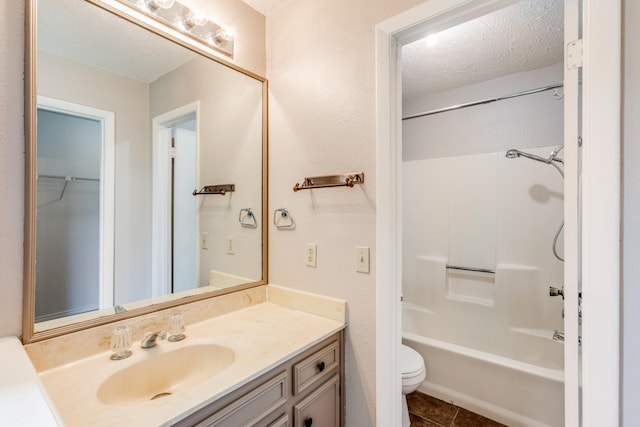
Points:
x=522 y=37
x=88 y=34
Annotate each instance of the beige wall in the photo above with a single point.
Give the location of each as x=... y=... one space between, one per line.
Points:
x=321 y=71
x=250 y=54
x=229 y=153
x=11 y=165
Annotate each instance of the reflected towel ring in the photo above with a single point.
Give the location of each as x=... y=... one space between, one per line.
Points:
x=285 y=217
x=248 y=220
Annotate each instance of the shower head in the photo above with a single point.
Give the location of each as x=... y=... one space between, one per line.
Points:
x=513 y=154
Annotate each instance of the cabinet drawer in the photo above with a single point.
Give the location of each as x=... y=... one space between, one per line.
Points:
x=316 y=367
x=283 y=421
x=253 y=406
x=321 y=408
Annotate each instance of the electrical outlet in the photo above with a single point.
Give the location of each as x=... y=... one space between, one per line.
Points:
x=362 y=259
x=231 y=245
x=310 y=254
x=204 y=240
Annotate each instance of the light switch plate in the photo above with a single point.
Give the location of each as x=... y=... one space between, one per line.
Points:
x=204 y=240
x=231 y=245
x=362 y=259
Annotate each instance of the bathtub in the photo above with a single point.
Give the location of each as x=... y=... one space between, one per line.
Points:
x=514 y=376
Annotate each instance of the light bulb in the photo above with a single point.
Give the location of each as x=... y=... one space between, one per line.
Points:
x=223 y=35
x=195 y=17
x=163 y=4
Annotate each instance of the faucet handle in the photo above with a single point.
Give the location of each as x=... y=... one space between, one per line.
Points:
x=176 y=331
x=120 y=343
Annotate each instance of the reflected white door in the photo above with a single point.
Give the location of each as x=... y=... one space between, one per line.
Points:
x=184 y=211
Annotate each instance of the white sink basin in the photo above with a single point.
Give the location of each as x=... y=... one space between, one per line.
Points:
x=164 y=374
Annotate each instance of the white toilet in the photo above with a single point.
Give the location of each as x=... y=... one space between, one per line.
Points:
x=413 y=374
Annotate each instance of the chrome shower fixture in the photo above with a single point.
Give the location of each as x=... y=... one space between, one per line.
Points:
x=551 y=160
x=553 y=157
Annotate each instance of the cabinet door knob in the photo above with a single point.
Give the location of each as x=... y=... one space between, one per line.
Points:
x=308 y=422
x=321 y=366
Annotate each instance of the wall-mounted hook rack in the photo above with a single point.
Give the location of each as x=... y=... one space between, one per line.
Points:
x=215 y=189
x=341 y=180
x=283 y=221
x=248 y=220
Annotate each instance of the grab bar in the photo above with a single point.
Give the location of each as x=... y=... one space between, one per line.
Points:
x=475 y=269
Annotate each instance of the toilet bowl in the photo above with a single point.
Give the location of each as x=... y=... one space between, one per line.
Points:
x=413 y=374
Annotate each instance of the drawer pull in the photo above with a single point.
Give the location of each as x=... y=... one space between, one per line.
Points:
x=321 y=366
x=308 y=422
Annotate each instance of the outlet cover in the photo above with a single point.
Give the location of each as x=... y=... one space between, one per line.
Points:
x=310 y=254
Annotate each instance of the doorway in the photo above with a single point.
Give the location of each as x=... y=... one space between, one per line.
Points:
x=175 y=253
x=76 y=146
x=600 y=106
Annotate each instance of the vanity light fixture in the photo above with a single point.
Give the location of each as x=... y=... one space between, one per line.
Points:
x=192 y=22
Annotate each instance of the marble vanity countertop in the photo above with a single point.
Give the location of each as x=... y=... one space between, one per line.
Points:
x=261 y=336
x=23 y=401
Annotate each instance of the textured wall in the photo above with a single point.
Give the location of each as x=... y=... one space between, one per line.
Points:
x=321 y=70
x=11 y=165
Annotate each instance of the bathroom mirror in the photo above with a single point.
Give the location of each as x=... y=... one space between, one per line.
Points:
x=145 y=170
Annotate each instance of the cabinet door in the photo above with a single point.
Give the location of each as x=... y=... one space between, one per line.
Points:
x=321 y=408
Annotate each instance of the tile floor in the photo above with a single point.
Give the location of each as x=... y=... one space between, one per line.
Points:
x=427 y=411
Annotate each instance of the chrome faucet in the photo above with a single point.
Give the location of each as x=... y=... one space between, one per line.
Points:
x=150 y=340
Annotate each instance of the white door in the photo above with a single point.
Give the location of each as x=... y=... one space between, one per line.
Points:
x=184 y=211
x=571 y=212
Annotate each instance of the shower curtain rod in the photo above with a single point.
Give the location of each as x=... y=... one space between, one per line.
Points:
x=484 y=101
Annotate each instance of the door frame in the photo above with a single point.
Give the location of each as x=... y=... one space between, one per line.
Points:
x=107 y=188
x=600 y=228
x=161 y=201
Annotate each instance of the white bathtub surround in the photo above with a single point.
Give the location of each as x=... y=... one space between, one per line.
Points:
x=260 y=333
x=486 y=337
x=23 y=400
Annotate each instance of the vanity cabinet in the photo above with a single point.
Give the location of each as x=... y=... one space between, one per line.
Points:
x=305 y=391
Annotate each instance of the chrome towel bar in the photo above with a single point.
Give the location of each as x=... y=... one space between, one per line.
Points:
x=474 y=269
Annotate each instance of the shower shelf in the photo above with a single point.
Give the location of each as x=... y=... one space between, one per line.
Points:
x=341 y=180
x=215 y=189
